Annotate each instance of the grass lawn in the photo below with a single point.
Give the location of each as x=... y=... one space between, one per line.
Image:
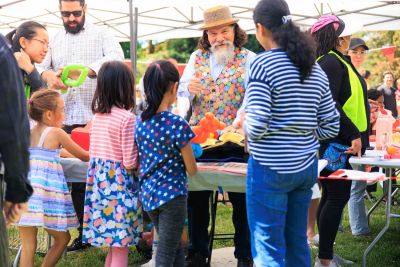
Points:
x=386 y=253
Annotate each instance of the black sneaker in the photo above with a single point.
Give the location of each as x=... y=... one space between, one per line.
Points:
x=246 y=262
x=77 y=245
x=195 y=260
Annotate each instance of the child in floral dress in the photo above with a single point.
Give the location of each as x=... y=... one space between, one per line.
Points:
x=112 y=212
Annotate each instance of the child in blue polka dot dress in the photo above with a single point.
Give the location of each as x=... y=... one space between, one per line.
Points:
x=165 y=155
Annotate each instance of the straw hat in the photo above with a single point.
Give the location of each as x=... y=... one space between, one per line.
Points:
x=217 y=17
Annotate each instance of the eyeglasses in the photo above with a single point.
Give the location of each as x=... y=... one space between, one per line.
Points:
x=361 y=52
x=67 y=14
x=44 y=44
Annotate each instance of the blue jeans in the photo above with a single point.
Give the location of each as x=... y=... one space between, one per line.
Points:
x=357 y=213
x=277 y=209
x=169 y=220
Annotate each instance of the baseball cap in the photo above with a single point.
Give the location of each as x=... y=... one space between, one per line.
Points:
x=356 y=42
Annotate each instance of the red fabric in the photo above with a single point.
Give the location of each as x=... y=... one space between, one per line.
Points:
x=389 y=53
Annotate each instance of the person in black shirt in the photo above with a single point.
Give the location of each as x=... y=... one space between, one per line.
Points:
x=14 y=143
x=389 y=92
x=350 y=94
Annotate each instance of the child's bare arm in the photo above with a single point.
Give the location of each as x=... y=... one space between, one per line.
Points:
x=189 y=160
x=67 y=143
x=65 y=154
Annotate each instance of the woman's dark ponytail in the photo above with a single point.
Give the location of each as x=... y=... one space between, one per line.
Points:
x=26 y=30
x=299 y=46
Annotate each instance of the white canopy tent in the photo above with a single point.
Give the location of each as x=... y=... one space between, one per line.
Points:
x=160 y=19
x=181 y=18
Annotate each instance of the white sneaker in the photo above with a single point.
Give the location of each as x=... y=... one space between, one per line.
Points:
x=319 y=264
x=341 y=261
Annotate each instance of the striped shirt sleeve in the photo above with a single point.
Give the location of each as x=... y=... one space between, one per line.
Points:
x=129 y=148
x=258 y=106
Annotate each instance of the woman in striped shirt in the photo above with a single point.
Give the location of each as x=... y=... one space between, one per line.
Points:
x=289 y=108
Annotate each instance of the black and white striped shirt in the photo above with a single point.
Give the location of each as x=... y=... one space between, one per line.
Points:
x=284 y=117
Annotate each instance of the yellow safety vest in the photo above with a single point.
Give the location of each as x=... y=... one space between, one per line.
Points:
x=354 y=107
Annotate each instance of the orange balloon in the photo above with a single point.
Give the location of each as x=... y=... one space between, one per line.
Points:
x=203 y=122
x=209 y=115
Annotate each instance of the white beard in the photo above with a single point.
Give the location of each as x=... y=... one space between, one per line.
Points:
x=223 y=55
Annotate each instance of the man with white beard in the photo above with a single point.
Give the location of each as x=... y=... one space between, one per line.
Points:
x=214 y=81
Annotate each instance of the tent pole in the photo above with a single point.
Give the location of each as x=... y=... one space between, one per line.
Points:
x=133 y=24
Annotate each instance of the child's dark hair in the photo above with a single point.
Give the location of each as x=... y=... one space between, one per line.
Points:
x=28 y=30
x=299 y=46
x=159 y=77
x=115 y=87
x=42 y=101
x=374 y=94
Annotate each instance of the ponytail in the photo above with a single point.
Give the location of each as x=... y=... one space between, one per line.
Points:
x=26 y=30
x=10 y=36
x=299 y=46
x=159 y=77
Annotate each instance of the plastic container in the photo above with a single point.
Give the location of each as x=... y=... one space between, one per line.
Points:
x=384 y=129
x=81 y=137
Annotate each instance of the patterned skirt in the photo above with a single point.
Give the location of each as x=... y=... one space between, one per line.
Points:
x=50 y=206
x=112 y=212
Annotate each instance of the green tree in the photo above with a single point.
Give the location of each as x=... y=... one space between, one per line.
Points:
x=127 y=49
x=253 y=45
x=181 y=49
x=376 y=62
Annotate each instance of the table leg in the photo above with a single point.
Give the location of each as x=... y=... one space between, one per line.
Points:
x=17 y=257
x=388 y=216
x=213 y=202
x=375 y=206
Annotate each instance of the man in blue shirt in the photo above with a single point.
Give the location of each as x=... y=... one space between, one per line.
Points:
x=214 y=81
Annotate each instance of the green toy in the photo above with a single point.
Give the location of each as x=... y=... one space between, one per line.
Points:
x=70 y=82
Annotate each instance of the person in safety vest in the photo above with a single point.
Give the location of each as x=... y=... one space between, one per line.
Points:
x=333 y=37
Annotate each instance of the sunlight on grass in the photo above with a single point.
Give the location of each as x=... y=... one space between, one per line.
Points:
x=386 y=253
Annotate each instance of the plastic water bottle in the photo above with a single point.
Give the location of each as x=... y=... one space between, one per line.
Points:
x=384 y=127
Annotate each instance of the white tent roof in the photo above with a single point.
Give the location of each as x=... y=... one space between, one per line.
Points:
x=159 y=19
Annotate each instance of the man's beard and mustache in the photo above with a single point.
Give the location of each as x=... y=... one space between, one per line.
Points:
x=77 y=28
x=223 y=55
